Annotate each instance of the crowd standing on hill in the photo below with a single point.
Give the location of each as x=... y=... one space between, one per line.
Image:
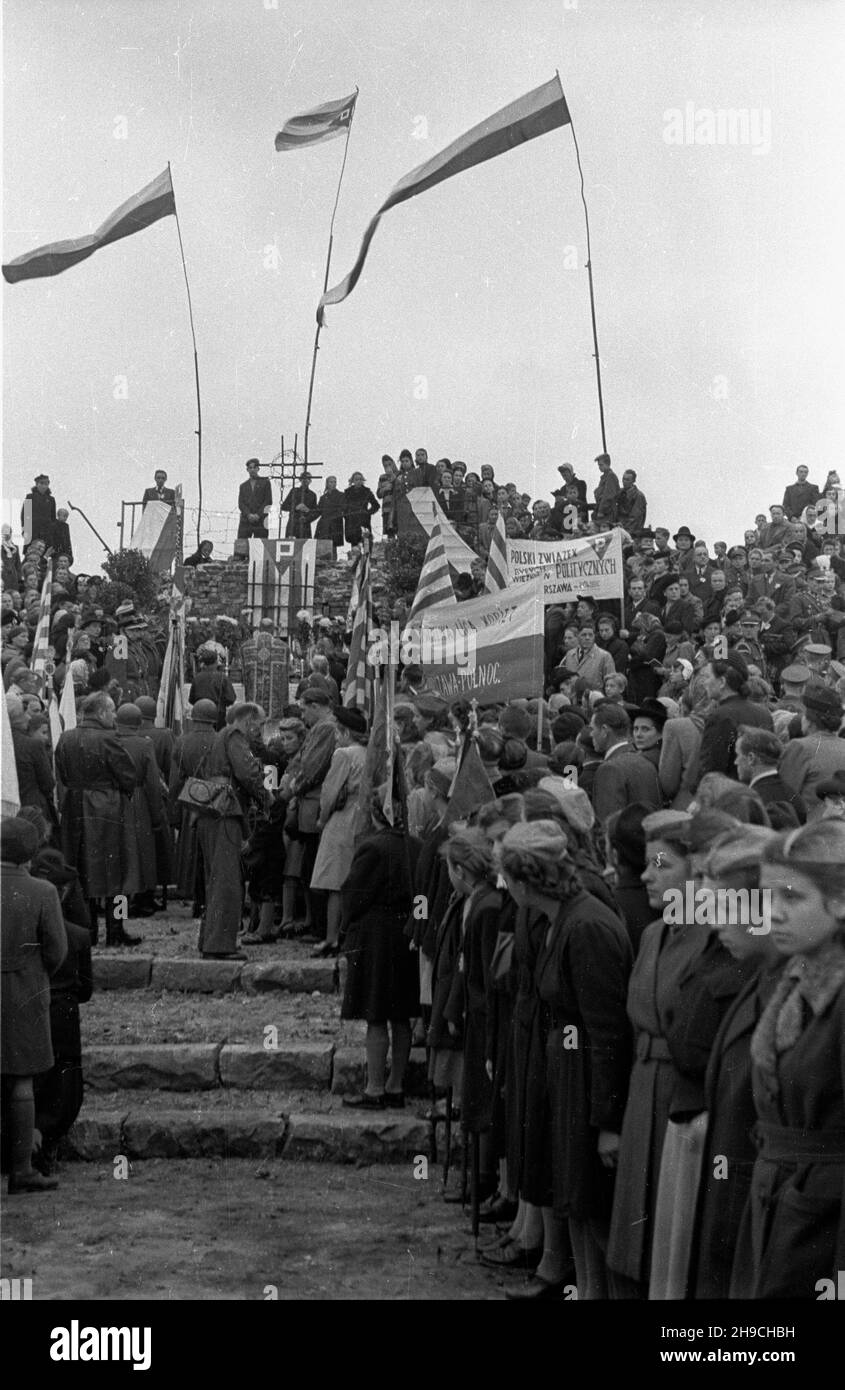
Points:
x=655 y=1090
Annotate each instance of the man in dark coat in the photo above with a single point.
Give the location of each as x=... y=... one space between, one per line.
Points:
x=330 y=512
x=190 y=754
x=630 y=505
x=161 y=739
x=159 y=493
x=97 y=773
x=38 y=513
x=606 y=493
x=142 y=814
x=725 y=682
x=361 y=507
x=60 y=542
x=162 y=742
x=301 y=505
x=799 y=495
x=221 y=839
x=255 y=498
x=36 y=783
x=624 y=776
x=758 y=754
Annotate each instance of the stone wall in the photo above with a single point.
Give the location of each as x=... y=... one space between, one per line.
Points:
x=221 y=587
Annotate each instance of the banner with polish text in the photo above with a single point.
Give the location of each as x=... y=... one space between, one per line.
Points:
x=491 y=646
x=589 y=566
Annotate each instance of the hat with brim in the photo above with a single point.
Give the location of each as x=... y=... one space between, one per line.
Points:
x=651 y=709
x=315 y=696
x=351 y=719
x=795 y=675
x=819 y=699
x=684 y=531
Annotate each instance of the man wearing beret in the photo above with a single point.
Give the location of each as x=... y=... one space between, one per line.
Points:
x=726 y=682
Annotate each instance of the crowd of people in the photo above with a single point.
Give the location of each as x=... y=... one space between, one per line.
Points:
x=655 y=1096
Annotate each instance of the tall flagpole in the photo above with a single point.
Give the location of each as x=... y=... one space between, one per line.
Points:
x=196 y=365
x=590 y=277
x=325 y=287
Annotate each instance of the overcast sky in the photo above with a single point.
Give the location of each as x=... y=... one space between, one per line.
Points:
x=718 y=268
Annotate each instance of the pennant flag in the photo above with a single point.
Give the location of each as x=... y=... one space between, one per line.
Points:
x=41 y=641
x=380 y=763
x=471 y=787
x=171 y=712
x=497 y=560
x=323 y=123
x=10 y=796
x=435 y=584
x=152 y=203
x=534 y=114
x=358 y=686
x=67 y=704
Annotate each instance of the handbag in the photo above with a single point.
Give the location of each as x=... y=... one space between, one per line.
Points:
x=214 y=797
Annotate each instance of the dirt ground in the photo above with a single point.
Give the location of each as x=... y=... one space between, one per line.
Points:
x=212 y=1229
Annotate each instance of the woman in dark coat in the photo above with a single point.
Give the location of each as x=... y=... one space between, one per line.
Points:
x=360 y=507
x=211 y=683
x=666 y=949
x=34 y=945
x=472 y=876
x=792 y=1240
x=382 y=984
x=581 y=978
x=729 y=1148
x=330 y=512
x=607 y=637
x=59 y=1092
x=647 y=648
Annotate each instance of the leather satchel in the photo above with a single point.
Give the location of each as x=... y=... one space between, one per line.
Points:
x=210 y=796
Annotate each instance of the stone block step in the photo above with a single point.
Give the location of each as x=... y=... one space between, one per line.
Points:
x=349 y=1072
x=207 y=1066
x=245 y=1125
x=191 y=975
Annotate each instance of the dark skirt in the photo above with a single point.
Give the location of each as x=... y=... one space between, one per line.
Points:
x=477 y=1092
x=499 y=1029
x=382 y=981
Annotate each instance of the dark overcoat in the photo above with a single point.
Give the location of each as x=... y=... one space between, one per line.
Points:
x=581 y=977
x=190 y=751
x=793 y=1229
x=444 y=965
x=97 y=773
x=142 y=814
x=467 y=1003
x=34 y=945
x=36 y=782
x=382 y=980
x=664 y=954
x=525 y=1080
x=501 y=992
x=729 y=1148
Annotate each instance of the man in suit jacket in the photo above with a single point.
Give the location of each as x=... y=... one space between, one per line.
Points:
x=636 y=602
x=725 y=682
x=758 y=754
x=159 y=493
x=801 y=494
x=255 y=498
x=624 y=776
x=606 y=493
x=630 y=505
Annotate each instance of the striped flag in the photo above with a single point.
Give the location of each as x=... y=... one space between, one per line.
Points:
x=497 y=560
x=171 y=712
x=313 y=127
x=380 y=765
x=534 y=114
x=435 y=583
x=41 y=641
x=67 y=704
x=358 y=686
x=152 y=203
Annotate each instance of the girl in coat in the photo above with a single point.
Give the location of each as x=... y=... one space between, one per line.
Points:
x=581 y=978
x=792 y=1241
x=34 y=945
x=729 y=1149
x=666 y=950
x=472 y=876
x=382 y=985
x=336 y=823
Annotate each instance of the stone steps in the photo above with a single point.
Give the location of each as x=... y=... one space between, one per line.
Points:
x=320 y=1066
x=191 y=975
x=229 y=1124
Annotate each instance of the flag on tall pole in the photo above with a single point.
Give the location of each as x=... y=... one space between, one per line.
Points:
x=41 y=641
x=141 y=210
x=534 y=114
x=170 y=706
x=321 y=123
x=358 y=687
x=435 y=583
x=497 y=559
x=380 y=764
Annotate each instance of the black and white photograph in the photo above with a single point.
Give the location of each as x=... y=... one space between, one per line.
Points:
x=423 y=649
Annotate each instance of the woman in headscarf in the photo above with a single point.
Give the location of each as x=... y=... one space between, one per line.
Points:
x=581 y=1029
x=792 y=1241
